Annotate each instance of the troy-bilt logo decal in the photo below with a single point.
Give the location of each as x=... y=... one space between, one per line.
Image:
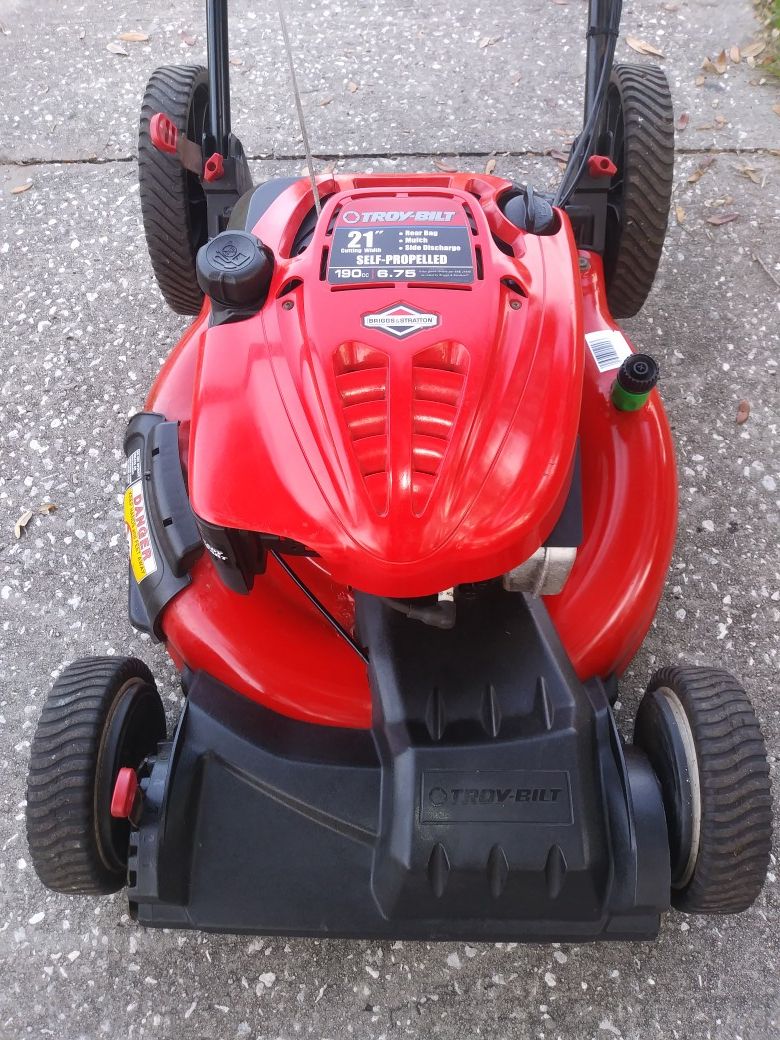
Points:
x=400 y=320
x=495 y=796
x=397 y=216
x=492 y=795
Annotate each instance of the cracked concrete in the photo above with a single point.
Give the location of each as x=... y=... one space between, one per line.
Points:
x=84 y=330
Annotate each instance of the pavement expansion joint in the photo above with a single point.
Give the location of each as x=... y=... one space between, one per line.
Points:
x=93 y=160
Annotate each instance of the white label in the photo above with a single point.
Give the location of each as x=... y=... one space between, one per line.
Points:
x=609 y=348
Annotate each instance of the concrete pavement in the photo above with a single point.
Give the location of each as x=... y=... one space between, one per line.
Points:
x=84 y=330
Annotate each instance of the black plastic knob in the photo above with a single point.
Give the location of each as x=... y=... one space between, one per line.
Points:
x=234 y=270
x=638 y=374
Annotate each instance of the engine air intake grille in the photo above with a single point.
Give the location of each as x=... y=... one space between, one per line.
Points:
x=361 y=379
x=439 y=377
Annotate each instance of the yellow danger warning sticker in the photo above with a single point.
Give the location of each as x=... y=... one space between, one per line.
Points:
x=142 y=558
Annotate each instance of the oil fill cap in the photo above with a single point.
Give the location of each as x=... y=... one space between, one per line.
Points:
x=234 y=269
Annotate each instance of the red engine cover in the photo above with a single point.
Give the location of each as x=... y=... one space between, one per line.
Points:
x=407 y=401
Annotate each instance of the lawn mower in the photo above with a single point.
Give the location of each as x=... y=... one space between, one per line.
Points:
x=400 y=505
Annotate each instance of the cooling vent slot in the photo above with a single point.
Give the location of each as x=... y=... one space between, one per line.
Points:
x=361 y=379
x=439 y=377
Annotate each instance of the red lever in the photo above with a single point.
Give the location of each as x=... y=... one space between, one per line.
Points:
x=125 y=792
x=601 y=166
x=214 y=168
x=163 y=133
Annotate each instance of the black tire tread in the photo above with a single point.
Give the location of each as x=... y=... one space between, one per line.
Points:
x=648 y=182
x=61 y=778
x=164 y=189
x=736 y=825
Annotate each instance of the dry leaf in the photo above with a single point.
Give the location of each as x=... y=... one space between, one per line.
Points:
x=679 y=213
x=188 y=38
x=559 y=156
x=753 y=49
x=736 y=55
x=722 y=218
x=352 y=87
x=82 y=34
x=47 y=507
x=700 y=81
x=22 y=522
x=236 y=61
x=683 y=120
x=117 y=48
x=718 y=66
x=641 y=47
x=776 y=109
x=488 y=41
x=447 y=167
x=751 y=173
x=21 y=187
x=701 y=169
x=327 y=101
x=743 y=413
x=490 y=165
x=134 y=37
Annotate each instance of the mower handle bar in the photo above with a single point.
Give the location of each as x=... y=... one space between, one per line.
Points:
x=601 y=15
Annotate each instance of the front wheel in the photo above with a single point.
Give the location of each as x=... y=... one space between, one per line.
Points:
x=103 y=713
x=700 y=732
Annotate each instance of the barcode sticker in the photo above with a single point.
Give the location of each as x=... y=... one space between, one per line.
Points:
x=608 y=347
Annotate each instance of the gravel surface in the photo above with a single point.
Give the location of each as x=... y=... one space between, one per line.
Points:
x=83 y=331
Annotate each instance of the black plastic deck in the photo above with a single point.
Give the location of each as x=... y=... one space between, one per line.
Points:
x=492 y=800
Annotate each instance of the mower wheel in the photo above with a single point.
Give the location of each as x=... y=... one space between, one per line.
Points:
x=640 y=120
x=173 y=203
x=700 y=732
x=102 y=713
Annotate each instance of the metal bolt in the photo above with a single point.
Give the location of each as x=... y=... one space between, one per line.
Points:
x=287 y=305
x=584 y=263
x=515 y=305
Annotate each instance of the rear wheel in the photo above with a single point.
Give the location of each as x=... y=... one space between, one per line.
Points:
x=698 y=728
x=640 y=121
x=103 y=713
x=173 y=203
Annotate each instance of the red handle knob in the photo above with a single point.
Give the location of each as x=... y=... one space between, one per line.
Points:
x=601 y=166
x=163 y=133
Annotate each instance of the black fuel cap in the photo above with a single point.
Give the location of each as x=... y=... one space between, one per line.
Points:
x=234 y=269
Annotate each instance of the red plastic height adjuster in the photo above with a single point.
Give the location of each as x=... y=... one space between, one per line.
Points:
x=163 y=133
x=125 y=792
x=213 y=168
x=601 y=166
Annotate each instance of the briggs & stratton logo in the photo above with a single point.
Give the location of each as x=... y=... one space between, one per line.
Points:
x=400 y=320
